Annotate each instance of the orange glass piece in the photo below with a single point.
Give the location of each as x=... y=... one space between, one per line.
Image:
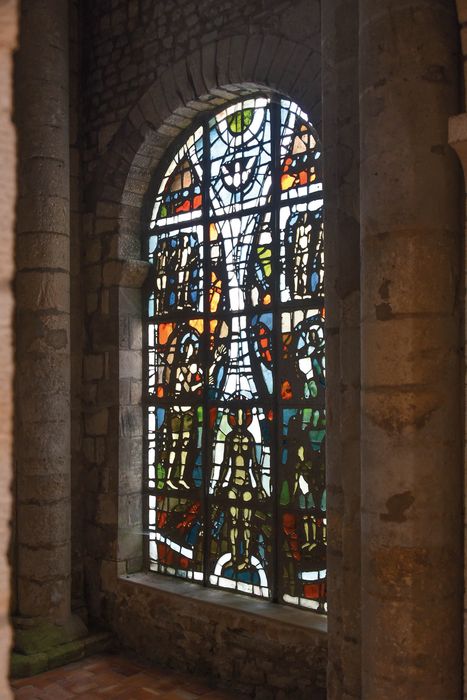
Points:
x=161 y=518
x=287 y=181
x=289 y=523
x=165 y=330
x=286 y=390
x=197 y=324
x=214 y=292
x=189 y=204
x=213 y=233
x=314 y=591
x=181 y=178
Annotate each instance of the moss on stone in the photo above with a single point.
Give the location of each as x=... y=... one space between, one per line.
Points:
x=22 y=665
x=66 y=653
x=40 y=638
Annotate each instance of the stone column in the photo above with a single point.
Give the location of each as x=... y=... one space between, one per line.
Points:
x=342 y=232
x=458 y=141
x=411 y=407
x=43 y=325
x=8 y=36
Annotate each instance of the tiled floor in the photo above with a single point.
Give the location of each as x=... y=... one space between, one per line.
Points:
x=116 y=678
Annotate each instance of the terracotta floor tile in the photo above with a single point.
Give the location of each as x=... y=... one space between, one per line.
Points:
x=112 y=677
x=76 y=678
x=197 y=687
x=20 y=682
x=152 y=692
x=109 y=691
x=81 y=688
x=53 y=691
x=27 y=692
x=179 y=694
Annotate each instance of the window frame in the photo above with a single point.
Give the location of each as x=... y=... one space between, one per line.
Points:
x=273 y=207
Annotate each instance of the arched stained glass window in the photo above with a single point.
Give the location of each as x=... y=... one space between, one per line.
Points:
x=235 y=357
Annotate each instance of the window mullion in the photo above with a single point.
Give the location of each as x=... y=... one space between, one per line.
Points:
x=205 y=459
x=276 y=266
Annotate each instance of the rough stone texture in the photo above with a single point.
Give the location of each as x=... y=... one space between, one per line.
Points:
x=56 y=650
x=458 y=140
x=237 y=644
x=76 y=313
x=8 y=37
x=342 y=277
x=42 y=389
x=411 y=404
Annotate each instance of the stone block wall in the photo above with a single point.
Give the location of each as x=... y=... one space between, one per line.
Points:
x=238 y=644
x=8 y=36
x=458 y=140
x=129 y=43
x=76 y=309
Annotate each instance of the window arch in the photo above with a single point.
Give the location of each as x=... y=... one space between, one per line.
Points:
x=235 y=420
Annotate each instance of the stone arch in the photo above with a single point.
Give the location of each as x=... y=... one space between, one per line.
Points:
x=114 y=272
x=222 y=71
x=218 y=73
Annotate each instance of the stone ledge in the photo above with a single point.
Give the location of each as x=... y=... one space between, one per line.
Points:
x=25 y=665
x=280 y=614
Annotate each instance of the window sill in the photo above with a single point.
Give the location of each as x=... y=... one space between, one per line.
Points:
x=279 y=614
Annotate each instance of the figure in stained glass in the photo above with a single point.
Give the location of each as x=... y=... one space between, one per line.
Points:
x=304 y=255
x=178 y=532
x=241 y=479
x=182 y=447
x=303 y=356
x=259 y=275
x=300 y=154
x=177 y=272
x=261 y=350
x=303 y=498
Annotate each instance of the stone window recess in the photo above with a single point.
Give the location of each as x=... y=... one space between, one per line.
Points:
x=234 y=356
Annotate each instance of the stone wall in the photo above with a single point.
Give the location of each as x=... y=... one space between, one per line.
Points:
x=240 y=644
x=8 y=34
x=411 y=301
x=458 y=140
x=42 y=285
x=129 y=43
x=76 y=306
x=340 y=27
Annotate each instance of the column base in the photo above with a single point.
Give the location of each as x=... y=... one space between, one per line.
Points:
x=44 y=646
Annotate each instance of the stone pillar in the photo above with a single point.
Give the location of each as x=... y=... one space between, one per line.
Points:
x=342 y=227
x=43 y=324
x=8 y=34
x=411 y=406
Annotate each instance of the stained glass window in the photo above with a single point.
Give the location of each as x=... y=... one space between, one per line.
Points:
x=235 y=357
